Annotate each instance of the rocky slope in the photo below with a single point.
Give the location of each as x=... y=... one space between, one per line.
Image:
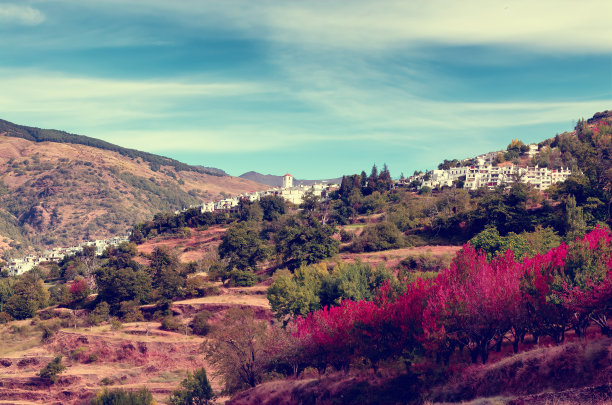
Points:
x=56 y=193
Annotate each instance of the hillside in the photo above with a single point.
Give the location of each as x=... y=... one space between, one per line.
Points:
x=58 y=194
x=52 y=135
x=277 y=181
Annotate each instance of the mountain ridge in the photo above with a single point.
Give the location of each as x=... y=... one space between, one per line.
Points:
x=64 y=193
x=35 y=134
x=277 y=181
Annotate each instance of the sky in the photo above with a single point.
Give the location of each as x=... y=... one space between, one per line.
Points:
x=314 y=88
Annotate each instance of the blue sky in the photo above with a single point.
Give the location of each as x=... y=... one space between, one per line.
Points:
x=318 y=89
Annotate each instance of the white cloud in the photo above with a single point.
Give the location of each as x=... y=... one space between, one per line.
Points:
x=96 y=101
x=230 y=139
x=366 y=26
x=20 y=15
x=565 y=25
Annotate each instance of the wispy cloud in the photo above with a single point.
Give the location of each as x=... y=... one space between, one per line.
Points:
x=563 y=26
x=229 y=139
x=558 y=25
x=20 y=15
x=91 y=101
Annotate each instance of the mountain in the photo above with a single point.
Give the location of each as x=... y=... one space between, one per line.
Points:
x=277 y=181
x=58 y=189
x=52 y=135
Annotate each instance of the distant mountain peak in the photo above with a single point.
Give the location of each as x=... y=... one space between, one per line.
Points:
x=277 y=181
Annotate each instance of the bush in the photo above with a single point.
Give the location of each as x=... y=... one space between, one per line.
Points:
x=239 y=278
x=197 y=286
x=106 y=381
x=170 y=323
x=199 y=324
x=131 y=312
x=122 y=397
x=346 y=236
x=49 y=329
x=50 y=372
x=4 y=318
x=115 y=324
x=196 y=390
x=424 y=262
x=382 y=236
x=99 y=314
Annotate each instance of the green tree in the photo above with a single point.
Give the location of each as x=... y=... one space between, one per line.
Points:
x=302 y=243
x=250 y=210
x=99 y=314
x=200 y=324
x=296 y=294
x=242 y=247
x=50 y=372
x=273 y=207
x=356 y=281
x=7 y=289
x=310 y=202
x=124 y=284
x=29 y=295
x=575 y=225
x=196 y=390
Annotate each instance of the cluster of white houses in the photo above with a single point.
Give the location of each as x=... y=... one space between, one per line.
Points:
x=485 y=173
x=489 y=176
x=19 y=266
x=287 y=191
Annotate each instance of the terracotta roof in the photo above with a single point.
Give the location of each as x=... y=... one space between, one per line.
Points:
x=287 y=175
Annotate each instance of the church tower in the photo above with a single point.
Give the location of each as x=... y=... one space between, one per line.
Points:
x=287 y=181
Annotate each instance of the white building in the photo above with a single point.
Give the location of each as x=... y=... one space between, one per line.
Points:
x=533 y=150
x=287 y=181
x=490 y=176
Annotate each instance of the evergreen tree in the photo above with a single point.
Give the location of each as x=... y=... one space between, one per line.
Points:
x=196 y=390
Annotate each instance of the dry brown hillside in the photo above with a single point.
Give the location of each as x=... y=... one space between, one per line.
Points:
x=56 y=194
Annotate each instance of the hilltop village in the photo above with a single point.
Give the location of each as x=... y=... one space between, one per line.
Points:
x=16 y=267
x=292 y=194
x=483 y=171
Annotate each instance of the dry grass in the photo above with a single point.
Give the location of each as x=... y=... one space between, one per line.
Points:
x=240 y=299
x=391 y=258
x=572 y=365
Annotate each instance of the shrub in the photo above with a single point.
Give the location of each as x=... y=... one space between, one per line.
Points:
x=131 y=312
x=346 y=236
x=106 y=381
x=122 y=397
x=200 y=325
x=424 y=262
x=115 y=324
x=171 y=323
x=50 y=372
x=195 y=286
x=99 y=314
x=4 y=318
x=382 y=236
x=49 y=329
x=196 y=390
x=239 y=278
